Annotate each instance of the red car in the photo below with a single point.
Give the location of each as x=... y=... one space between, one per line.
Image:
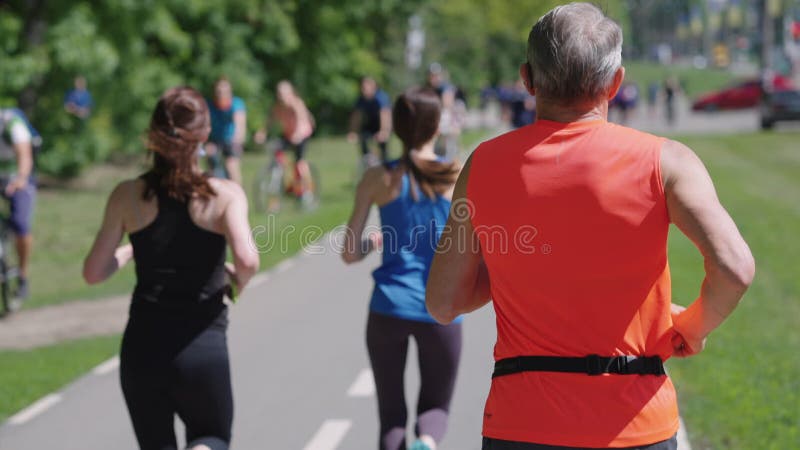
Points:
x=743 y=95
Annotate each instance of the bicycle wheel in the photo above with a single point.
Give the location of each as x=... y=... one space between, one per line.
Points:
x=268 y=188
x=9 y=277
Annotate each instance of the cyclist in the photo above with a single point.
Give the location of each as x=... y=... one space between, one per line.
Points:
x=413 y=196
x=297 y=125
x=174 y=356
x=18 y=140
x=371 y=118
x=228 y=128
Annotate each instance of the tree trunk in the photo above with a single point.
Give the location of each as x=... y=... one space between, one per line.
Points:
x=32 y=35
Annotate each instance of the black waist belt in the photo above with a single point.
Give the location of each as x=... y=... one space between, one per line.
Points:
x=590 y=365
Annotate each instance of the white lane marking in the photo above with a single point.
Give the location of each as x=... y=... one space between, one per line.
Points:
x=329 y=435
x=35 y=409
x=364 y=386
x=107 y=367
x=284 y=266
x=683 y=438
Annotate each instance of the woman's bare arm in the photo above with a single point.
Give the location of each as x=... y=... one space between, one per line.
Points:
x=356 y=248
x=237 y=231
x=106 y=256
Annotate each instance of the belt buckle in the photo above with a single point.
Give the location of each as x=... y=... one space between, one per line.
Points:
x=593 y=366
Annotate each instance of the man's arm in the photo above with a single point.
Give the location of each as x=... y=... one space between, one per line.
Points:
x=354 y=124
x=695 y=209
x=23 y=151
x=240 y=125
x=459 y=281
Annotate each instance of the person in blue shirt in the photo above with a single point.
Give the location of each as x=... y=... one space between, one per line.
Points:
x=228 y=129
x=413 y=197
x=371 y=118
x=78 y=101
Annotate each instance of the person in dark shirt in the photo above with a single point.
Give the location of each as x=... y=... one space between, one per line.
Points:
x=371 y=118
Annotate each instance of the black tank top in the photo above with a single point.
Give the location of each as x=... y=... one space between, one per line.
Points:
x=178 y=264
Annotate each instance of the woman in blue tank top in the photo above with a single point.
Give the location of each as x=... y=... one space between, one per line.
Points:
x=413 y=195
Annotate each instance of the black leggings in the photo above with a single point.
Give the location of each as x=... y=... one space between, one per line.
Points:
x=176 y=364
x=439 y=348
x=364 y=137
x=497 y=444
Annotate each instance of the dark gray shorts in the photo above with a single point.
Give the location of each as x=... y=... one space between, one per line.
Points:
x=21 y=204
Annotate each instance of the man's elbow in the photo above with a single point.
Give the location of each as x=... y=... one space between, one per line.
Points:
x=440 y=311
x=739 y=270
x=745 y=271
x=350 y=257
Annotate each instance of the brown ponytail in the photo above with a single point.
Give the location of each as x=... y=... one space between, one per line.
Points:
x=179 y=125
x=415 y=118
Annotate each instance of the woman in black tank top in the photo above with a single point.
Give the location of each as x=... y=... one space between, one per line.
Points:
x=174 y=356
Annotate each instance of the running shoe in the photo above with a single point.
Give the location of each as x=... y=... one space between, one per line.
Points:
x=419 y=445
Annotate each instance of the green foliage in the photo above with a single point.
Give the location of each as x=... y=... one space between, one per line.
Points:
x=481 y=42
x=131 y=51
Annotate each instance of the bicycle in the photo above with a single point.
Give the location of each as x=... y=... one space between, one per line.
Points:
x=9 y=273
x=281 y=178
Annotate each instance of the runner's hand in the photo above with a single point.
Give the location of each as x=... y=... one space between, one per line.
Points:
x=683 y=344
x=16 y=184
x=376 y=240
x=352 y=137
x=382 y=136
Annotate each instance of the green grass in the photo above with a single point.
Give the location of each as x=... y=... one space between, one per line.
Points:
x=694 y=81
x=28 y=375
x=743 y=391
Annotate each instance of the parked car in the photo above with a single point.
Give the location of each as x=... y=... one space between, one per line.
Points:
x=746 y=94
x=779 y=106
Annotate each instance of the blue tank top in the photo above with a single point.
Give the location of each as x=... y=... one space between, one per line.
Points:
x=411 y=230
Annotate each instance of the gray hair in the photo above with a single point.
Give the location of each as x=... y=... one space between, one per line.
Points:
x=573 y=52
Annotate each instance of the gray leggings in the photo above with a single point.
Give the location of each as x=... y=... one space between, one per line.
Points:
x=439 y=348
x=497 y=444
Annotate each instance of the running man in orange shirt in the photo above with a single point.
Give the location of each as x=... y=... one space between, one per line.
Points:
x=565 y=223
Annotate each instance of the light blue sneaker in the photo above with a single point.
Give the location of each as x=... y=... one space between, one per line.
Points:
x=419 y=445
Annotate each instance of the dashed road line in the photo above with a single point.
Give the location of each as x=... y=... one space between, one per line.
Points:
x=364 y=386
x=329 y=435
x=107 y=367
x=35 y=409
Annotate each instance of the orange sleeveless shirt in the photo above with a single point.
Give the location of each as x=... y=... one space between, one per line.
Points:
x=573 y=225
